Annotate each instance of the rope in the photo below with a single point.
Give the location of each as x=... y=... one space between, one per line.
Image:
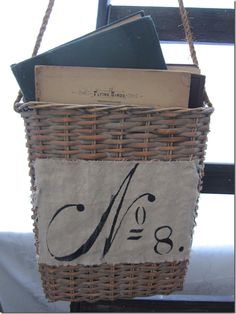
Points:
x=189 y=38
x=188 y=32
x=43 y=27
x=39 y=37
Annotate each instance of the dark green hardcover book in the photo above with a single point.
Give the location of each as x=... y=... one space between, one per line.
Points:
x=129 y=45
x=196 y=94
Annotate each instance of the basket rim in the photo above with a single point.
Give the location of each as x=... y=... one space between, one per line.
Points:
x=94 y=107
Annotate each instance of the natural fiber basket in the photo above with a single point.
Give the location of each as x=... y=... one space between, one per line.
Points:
x=108 y=132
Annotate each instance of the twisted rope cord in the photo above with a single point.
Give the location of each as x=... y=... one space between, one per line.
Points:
x=188 y=32
x=39 y=37
x=189 y=38
x=43 y=27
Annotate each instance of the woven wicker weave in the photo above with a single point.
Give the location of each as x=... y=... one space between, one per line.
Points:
x=106 y=132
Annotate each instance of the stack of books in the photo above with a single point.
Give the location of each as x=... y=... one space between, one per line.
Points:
x=120 y=63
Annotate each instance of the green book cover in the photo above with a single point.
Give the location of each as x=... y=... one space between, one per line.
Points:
x=132 y=45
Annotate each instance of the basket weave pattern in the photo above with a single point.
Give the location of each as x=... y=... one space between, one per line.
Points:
x=106 y=132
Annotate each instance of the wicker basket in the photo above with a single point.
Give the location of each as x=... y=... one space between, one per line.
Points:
x=108 y=132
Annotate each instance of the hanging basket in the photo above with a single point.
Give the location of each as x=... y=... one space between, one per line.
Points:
x=163 y=150
x=111 y=133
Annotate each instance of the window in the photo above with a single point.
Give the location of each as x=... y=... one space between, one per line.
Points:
x=20 y=21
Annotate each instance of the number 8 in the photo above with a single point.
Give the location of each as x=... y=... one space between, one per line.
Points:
x=166 y=240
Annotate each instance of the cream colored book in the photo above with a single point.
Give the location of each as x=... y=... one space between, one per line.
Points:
x=90 y=85
x=192 y=68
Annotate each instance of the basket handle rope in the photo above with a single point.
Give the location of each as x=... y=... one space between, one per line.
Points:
x=39 y=38
x=189 y=38
x=185 y=22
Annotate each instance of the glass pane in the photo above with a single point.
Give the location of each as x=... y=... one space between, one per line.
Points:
x=215 y=222
x=217 y=63
x=174 y=3
x=70 y=20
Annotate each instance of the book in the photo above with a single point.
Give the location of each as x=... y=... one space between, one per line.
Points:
x=196 y=95
x=197 y=88
x=126 y=44
x=91 y=85
x=192 y=68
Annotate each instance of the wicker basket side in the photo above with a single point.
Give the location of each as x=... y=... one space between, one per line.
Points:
x=113 y=133
x=110 y=282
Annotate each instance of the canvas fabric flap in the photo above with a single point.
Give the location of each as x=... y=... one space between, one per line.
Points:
x=94 y=212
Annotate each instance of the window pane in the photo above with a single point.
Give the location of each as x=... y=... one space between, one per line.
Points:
x=215 y=222
x=69 y=20
x=216 y=62
x=174 y=3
